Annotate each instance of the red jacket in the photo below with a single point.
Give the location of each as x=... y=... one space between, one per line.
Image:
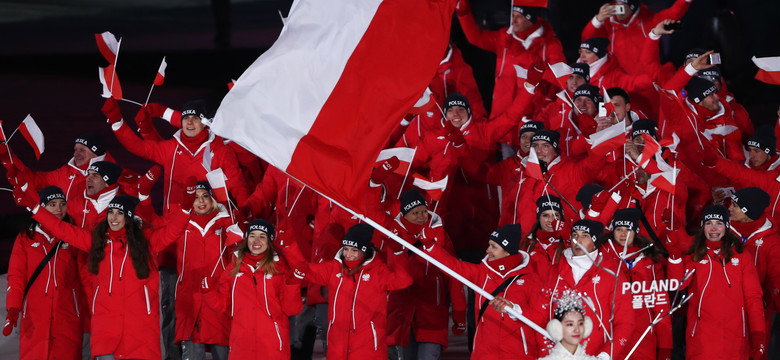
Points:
x=726 y=305
x=200 y=253
x=179 y=163
x=498 y=336
x=645 y=306
x=740 y=176
x=599 y=286
x=50 y=317
x=357 y=309
x=258 y=305
x=125 y=309
x=538 y=43
x=455 y=75
x=639 y=86
x=763 y=244
x=626 y=39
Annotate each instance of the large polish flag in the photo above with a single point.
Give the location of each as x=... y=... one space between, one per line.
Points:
x=768 y=69
x=321 y=102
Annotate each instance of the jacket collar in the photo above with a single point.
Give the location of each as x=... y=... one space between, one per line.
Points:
x=526 y=259
x=208 y=141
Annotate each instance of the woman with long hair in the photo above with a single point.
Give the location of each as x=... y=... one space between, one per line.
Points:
x=50 y=304
x=357 y=283
x=545 y=242
x=124 y=303
x=644 y=263
x=253 y=290
x=725 y=315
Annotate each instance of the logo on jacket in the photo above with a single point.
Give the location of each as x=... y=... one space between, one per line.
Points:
x=704 y=262
x=734 y=261
x=218 y=232
x=366 y=277
x=268 y=276
x=759 y=242
x=338 y=275
x=36 y=244
x=64 y=245
x=520 y=282
x=596 y=279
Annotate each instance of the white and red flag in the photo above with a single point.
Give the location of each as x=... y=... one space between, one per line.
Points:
x=666 y=179
x=160 y=78
x=216 y=179
x=108 y=46
x=608 y=103
x=434 y=189
x=532 y=167
x=32 y=133
x=426 y=103
x=562 y=71
x=608 y=139
x=404 y=154
x=768 y=69
x=324 y=122
x=110 y=82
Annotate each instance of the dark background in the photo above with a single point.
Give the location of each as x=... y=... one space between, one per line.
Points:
x=49 y=61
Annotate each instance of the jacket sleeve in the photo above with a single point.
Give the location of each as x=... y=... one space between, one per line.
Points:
x=457 y=295
x=162 y=237
x=486 y=40
x=146 y=149
x=594 y=28
x=398 y=275
x=498 y=127
x=71 y=234
x=320 y=273
x=219 y=298
x=289 y=295
x=751 y=291
x=17 y=274
x=674 y=12
x=467 y=270
x=261 y=200
x=235 y=178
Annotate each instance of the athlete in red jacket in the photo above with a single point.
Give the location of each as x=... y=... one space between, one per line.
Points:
x=50 y=326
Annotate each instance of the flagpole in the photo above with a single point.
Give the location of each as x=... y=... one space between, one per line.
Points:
x=624 y=178
x=116 y=60
x=6 y=142
x=9 y=138
x=439 y=265
x=407 y=173
x=131 y=101
x=559 y=194
x=150 y=95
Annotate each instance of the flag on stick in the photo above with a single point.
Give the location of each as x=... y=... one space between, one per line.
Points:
x=434 y=189
x=768 y=69
x=160 y=78
x=532 y=167
x=32 y=133
x=216 y=179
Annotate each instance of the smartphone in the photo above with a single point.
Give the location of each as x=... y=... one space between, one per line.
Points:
x=618 y=9
x=714 y=59
x=602 y=110
x=673 y=26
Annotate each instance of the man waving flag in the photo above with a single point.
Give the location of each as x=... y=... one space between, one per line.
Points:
x=321 y=102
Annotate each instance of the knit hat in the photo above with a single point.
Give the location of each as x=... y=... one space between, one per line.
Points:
x=581 y=69
x=644 y=126
x=194 y=107
x=93 y=142
x=50 y=193
x=592 y=227
x=550 y=136
x=359 y=236
x=531 y=126
x=628 y=218
x=529 y=12
x=456 y=99
x=548 y=202
x=589 y=91
x=124 y=203
x=716 y=212
x=508 y=237
x=204 y=185
x=596 y=44
x=752 y=201
x=694 y=53
x=712 y=74
x=632 y=4
x=262 y=225
x=764 y=139
x=411 y=199
x=108 y=171
x=586 y=193
x=698 y=89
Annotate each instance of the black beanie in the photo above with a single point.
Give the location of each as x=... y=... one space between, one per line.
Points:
x=694 y=53
x=529 y=12
x=548 y=202
x=109 y=171
x=698 y=89
x=204 y=185
x=716 y=212
x=508 y=237
x=632 y=4
x=456 y=99
x=712 y=74
x=589 y=91
x=581 y=69
x=596 y=44
x=124 y=203
x=531 y=126
x=359 y=236
x=628 y=218
x=752 y=201
x=592 y=227
x=194 y=107
x=586 y=193
x=550 y=136
x=644 y=126
x=50 y=193
x=411 y=199
x=764 y=139
x=262 y=225
x=93 y=142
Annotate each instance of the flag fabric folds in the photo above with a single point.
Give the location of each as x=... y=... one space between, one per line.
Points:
x=404 y=154
x=216 y=179
x=562 y=72
x=320 y=107
x=532 y=167
x=426 y=103
x=32 y=133
x=160 y=77
x=109 y=47
x=434 y=189
x=608 y=139
x=768 y=69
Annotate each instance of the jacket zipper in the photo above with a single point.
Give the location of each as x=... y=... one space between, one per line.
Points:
x=438 y=296
x=75 y=303
x=278 y=336
x=373 y=330
x=148 y=307
x=744 y=333
x=94 y=298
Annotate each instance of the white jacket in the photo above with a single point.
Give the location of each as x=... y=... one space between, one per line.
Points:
x=560 y=353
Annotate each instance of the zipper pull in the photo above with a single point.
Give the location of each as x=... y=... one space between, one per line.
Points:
x=254 y=279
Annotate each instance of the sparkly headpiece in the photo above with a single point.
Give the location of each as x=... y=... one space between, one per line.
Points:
x=568 y=300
